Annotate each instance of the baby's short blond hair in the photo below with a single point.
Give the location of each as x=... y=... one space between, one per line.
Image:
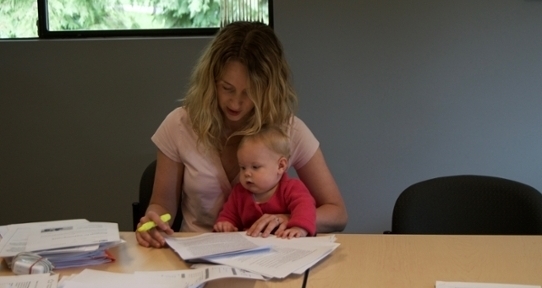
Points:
x=273 y=137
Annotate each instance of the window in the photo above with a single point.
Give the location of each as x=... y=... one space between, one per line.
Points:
x=121 y=18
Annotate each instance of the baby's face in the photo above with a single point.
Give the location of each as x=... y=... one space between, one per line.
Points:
x=259 y=167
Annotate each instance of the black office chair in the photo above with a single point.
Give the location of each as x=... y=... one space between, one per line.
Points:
x=468 y=204
x=145 y=191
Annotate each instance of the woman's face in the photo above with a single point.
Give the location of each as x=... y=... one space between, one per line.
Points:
x=232 y=89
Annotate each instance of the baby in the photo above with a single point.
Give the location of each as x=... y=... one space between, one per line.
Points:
x=265 y=188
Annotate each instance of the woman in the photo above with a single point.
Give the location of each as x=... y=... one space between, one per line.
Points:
x=241 y=82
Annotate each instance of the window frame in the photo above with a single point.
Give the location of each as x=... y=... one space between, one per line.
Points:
x=45 y=33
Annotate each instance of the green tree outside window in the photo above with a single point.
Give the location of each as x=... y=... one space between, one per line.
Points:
x=18 y=18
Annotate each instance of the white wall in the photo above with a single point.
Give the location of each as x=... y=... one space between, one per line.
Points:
x=396 y=91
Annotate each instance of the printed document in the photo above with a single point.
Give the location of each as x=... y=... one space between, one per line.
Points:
x=280 y=258
x=15 y=237
x=328 y=240
x=31 y=280
x=72 y=235
x=89 y=278
x=186 y=278
x=443 y=284
x=192 y=278
x=281 y=261
x=212 y=244
x=3 y=231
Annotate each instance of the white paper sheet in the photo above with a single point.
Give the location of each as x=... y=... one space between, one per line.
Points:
x=71 y=250
x=325 y=240
x=31 y=280
x=187 y=278
x=194 y=277
x=72 y=235
x=208 y=244
x=280 y=262
x=285 y=257
x=444 y=284
x=16 y=237
x=3 y=231
x=94 y=278
x=297 y=242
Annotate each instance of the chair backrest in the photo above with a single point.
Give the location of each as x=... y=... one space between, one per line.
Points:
x=145 y=191
x=468 y=204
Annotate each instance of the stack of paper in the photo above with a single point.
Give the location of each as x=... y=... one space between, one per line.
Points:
x=67 y=243
x=187 y=278
x=197 y=248
x=270 y=257
x=444 y=284
x=35 y=281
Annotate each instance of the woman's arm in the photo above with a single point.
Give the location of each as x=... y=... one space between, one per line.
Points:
x=331 y=213
x=165 y=199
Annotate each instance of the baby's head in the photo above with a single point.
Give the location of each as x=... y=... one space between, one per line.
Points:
x=263 y=158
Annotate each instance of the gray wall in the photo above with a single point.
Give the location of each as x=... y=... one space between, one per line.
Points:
x=396 y=91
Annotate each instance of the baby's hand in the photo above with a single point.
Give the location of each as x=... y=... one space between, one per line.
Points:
x=224 y=226
x=292 y=232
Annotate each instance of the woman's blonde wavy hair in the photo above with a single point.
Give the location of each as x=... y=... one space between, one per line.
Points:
x=256 y=46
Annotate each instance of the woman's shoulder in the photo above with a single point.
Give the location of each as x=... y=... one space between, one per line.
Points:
x=179 y=116
x=178 y=112
x=303 y=143
x=295 y=119
x=296 y=125
x=176 y=129
x=298 y=129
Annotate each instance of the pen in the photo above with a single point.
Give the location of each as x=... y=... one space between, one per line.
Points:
x=149 y=225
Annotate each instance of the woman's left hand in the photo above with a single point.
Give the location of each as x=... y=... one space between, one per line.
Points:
x=267 y=223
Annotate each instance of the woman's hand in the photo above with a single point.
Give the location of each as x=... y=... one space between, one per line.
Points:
x=153 y=237
x=267 y=223
x=165 y=197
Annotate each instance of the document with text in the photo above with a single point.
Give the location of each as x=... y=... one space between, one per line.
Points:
x=15 y=236
x=185 y=278
x=192 y=278
x=3 y=231
x=280 y=258
x=212 y=244
x=31 y=280
x=89 y=278
x=72 y=235
x=280 y=261
x=444 y=284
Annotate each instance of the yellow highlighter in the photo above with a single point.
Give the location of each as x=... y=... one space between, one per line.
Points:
x=149 y=225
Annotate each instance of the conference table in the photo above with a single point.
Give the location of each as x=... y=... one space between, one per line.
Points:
x=419 y=261
x=372 y=260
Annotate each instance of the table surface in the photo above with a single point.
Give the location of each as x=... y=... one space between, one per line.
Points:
x=420 y=260
x=365 y=260
x=132 y=257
